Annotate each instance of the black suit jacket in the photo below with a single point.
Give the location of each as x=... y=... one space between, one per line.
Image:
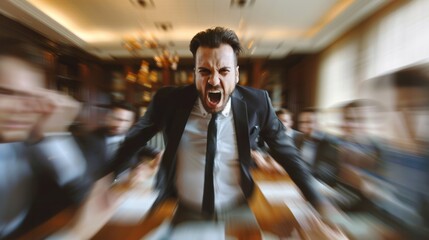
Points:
x=253 y=116
x=93 y=146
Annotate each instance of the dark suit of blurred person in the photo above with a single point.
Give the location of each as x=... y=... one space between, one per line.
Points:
x=100 y=145
x=286 y=117
x=318 y=149
x=37 y=155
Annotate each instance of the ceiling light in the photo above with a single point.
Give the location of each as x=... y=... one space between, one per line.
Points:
x=143 y=3
x=164 y=26
x=242 y=3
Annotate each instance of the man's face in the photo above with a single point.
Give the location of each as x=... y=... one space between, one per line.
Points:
x=216 y=75
x=19 y=104
x=286 y=119
x=119 y=121
x=306 y=122
x=353 y=121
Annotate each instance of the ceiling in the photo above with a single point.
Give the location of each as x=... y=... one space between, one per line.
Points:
x=267 y=28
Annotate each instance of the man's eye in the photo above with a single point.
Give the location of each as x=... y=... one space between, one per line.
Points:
x=204 y=72
x=6 y=91
x=224 y=71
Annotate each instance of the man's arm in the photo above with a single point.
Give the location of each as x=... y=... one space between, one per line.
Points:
x=53 y=149
x=288 y=157
x=138 y=136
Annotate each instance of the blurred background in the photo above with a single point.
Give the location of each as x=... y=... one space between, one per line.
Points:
x=362 y=64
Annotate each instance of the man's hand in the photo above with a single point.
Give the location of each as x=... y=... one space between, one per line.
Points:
x=58 y=111
x=94 y=213
x=267 y=163
x=145 y=170
x=317 y=225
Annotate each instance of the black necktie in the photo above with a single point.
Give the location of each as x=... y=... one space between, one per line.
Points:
x=208 y=197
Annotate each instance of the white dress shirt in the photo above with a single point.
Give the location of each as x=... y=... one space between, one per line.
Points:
x=58 y=155
x=112 y=145
x=191 y=158
x=17 y=183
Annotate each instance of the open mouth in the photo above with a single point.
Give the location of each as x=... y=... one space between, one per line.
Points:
x=214 y=96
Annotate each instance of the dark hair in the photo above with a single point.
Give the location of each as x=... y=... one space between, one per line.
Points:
x=357 y=103
x=122 y=105
x=126 y=106
x=213 y=38
x=310 y=110
x=361 y=103
x=410 y=77
x=24 y=51
x=282 y=111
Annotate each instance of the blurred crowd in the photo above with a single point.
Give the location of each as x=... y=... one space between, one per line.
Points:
x=370 y=156
x=45 y=167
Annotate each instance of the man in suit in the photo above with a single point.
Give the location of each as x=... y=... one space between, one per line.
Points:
x=184 y=115
x=285 y=116
x=100 y=145
x=34 y=144
x=318 y=149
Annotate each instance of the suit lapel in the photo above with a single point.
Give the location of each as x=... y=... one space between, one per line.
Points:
x=239 y=109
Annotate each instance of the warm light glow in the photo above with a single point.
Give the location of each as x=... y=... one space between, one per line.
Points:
x=331 y=15
x=250 y=44
x=59 y=17
x=166 y=60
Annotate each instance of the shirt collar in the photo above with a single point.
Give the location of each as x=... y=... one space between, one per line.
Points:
x=115 y=138
x=225 y=112
x=289 y=132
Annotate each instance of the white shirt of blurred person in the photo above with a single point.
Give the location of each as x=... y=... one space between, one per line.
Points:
x=33 y=123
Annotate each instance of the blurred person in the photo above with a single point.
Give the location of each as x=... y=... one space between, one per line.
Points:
x=308 y=125
x=358 y=152
x=410 y=88
x=286 y=117
x=100 y=145
x=319 y=151
x=358 y=147
x=35 y=147
x=405 y=162
x=214 y=111
x=312 y=141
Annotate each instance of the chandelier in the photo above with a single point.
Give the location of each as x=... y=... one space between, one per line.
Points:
x=163 y=57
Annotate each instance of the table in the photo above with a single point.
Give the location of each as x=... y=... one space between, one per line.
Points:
x=273 y=218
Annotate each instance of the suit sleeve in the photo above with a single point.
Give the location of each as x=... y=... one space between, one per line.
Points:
x=287 y=155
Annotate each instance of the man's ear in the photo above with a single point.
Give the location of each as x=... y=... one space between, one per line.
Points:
x=237 y=74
